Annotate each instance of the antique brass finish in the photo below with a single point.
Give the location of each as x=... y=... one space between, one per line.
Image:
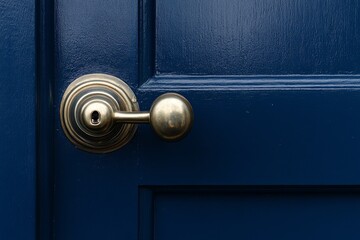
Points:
x=99 y=113
x=171 y=116
x=87 y=108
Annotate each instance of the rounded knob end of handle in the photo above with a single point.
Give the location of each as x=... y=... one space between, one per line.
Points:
x=171 y=116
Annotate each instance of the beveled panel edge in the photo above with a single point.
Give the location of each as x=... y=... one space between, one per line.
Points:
x=251 y=82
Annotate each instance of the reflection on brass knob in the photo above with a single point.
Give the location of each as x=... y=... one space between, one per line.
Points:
x=99 y=113
x=171 y=116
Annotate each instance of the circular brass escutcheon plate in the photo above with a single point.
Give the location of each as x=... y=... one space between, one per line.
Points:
x=97 y=93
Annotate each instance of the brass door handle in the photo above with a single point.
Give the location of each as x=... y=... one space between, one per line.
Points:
x=99 y=113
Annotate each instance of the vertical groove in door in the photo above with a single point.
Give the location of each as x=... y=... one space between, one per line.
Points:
x=45 y=116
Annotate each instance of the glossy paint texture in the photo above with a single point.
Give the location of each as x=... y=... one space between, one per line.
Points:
x=274 y=149
x=241 y=37
x=18 y=120
x=94 y=37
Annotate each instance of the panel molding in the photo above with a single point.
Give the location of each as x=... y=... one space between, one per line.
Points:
x=252 y=82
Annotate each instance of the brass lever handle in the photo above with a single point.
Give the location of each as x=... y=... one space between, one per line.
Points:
x=99 y=113
x=170 y=116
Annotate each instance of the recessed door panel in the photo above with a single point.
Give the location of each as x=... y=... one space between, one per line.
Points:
x=248 y=37
x=256 y=214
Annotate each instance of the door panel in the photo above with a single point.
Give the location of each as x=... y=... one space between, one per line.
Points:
x=256 y=214
x=264 y=116
x=257 y=37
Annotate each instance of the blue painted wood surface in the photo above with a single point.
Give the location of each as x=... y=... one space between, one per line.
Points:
x=18 y=120
x=257 y=213
x=275 y=143
x=257 y=37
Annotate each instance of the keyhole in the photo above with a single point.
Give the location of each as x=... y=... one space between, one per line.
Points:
x=95 y=117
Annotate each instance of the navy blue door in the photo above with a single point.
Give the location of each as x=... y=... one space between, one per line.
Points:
x=18 y=120
x=274 y=152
